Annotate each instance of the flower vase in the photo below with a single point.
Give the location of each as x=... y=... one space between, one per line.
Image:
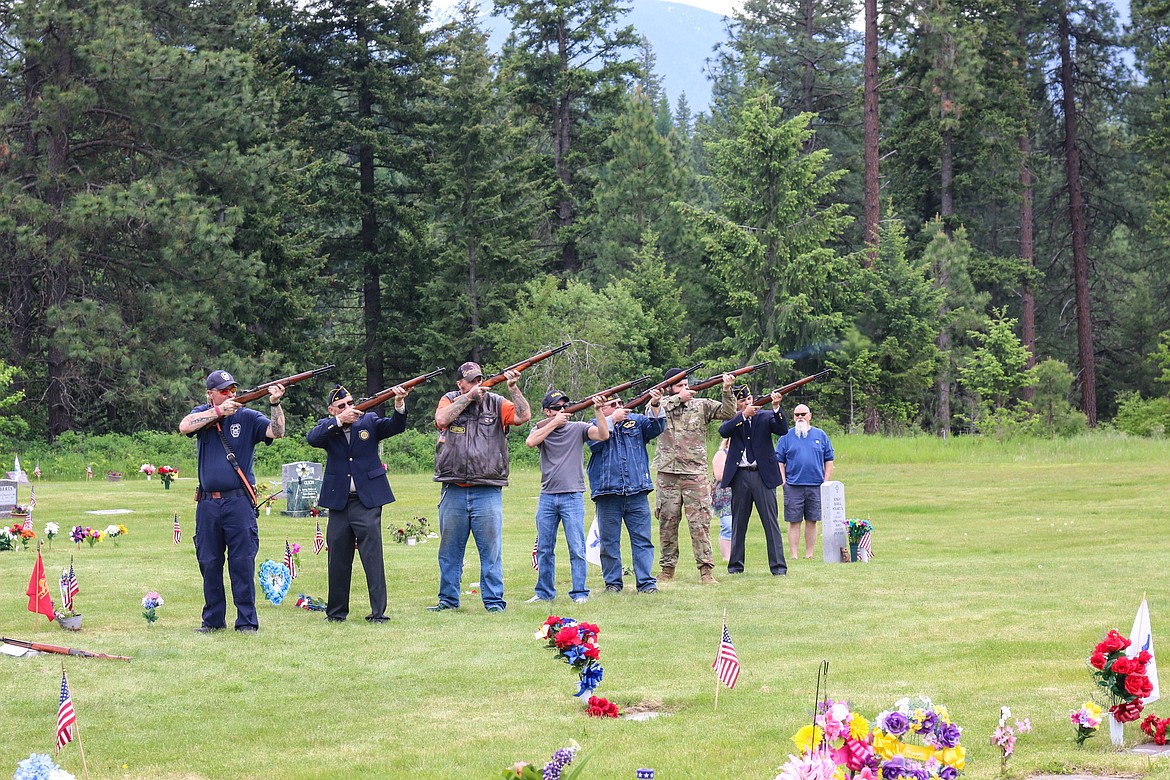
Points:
x=69 y=622
x=148 y=478
x=853 y=557
x=411 y=541
x=1116 y=731
x=166 y=485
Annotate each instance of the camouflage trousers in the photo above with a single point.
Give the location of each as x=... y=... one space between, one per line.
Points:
x=678 y=493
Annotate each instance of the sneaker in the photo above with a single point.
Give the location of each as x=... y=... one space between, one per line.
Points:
x=208 y=629
x=580 y=599
x=380 y=619
x=494 y=609
x=649 y=591
x=613 y=588
x=442 y=605
x=247 y=629
x=536 y=600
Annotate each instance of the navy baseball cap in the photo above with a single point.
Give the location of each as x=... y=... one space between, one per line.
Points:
x=220 y=380
x=552 y=398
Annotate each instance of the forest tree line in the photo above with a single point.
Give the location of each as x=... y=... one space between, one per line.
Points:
x=963 y=210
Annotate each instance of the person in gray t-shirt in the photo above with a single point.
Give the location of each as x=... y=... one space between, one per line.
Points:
x=562 y=493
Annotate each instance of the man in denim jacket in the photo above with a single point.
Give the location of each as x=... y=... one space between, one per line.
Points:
x=620 y=485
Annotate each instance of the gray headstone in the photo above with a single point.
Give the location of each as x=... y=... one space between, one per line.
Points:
x=302 y=486
x=834 y=526
x=7 y=497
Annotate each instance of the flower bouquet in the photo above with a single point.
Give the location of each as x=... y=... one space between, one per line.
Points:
x=918 y=740
x=78 y=535
x=857 y=529
x=1086 y=719
x=150 y=602
x=1123 y=678
x=40 y=766
x=576 y=643
x=167 y=474
x=93 y=536
x=1005 y=735
x=310 y=603
x=20 y=534
x=147 y=469
x=553 y=770
x=838 y=734
x=112 y=532
x=8 y=540
x=601 y=708
x=51 y=531
x=415 y=531
x=1155 y=728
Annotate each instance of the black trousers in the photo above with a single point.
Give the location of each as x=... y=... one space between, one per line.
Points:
x=747 y=490
x=357 y=524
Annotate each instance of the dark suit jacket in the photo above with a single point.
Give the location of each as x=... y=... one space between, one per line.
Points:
x=357 y=457
x=755 y=435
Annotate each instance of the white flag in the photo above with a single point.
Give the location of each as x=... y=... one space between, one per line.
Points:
x=593 y=544
x=1140 y=639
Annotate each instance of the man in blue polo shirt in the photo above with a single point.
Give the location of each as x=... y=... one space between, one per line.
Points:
x=806 y=461
x=225 y=518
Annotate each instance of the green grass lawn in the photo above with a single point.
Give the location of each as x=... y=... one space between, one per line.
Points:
x=999 y=567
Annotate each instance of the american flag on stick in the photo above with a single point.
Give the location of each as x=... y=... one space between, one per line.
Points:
x=288 y=561
x=535 y=546
x=32 y=502
x=864 y=546
x=726 y=664
x=69 y=587
x=66 y=717
x=177 y=531
x=318 y=540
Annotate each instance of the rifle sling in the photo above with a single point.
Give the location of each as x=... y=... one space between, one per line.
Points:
x=231 y=456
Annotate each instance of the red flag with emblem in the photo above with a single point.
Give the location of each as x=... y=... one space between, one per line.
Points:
x=38 y=590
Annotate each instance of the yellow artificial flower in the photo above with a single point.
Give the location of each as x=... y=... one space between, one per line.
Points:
x=807 y=737
x=1092 y=709
x=956 y=756
x=885 y=745
x=858 y=727
x=122 y=529
x=943 y=713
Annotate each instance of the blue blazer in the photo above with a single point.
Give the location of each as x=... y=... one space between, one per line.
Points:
x=754 y=435
x=357 y=457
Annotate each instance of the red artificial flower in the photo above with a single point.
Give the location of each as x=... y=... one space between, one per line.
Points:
x=592 y=651
x=552 y=620
x=1144 y=657
x=589 y=628
x=1113 y=641
x=1124 y=665
x=1097 y=660
x=1136 y=683
x=601 y=708
x=567 y=637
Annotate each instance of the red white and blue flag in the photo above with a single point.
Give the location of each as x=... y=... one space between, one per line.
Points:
x=37 y=471
x=288 y=561
x=535 y=547
x=177 y=531
x=726 y=664
x=318 y=540
x=69 y=587
x=864 y=545
x=66 y=717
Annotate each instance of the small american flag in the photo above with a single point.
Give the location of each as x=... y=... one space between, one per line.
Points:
x=32 y=499
x=288 y=560
x=535 y=546
x=37 y=471
x=28 y=520
x=66 y=717
x=726 y=664
x=177 y=531
x=89 y=472
x=69 y=587
x=864 y=545
x=318 y=540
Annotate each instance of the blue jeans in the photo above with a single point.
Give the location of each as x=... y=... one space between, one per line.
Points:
x=635 y=510
x=477 y=511
x=552 y=510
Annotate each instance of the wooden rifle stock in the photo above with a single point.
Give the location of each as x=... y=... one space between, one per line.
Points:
x=574 y=408
x=388 y=393
x=43 y=648
x=788 y=388
x=737 y=372
x=262 y=390
x=524 y=364
x=644 y=397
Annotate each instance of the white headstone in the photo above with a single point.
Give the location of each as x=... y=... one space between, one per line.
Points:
x=834 y=526
x=7 y=497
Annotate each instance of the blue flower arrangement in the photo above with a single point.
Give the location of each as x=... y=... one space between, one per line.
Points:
x=40 y=766
x=275 y=579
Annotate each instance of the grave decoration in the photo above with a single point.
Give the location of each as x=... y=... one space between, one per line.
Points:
x=40 y=766
x=275 y=579
x=1155 y=728
x=1005 y=735
x=310 y=603
x=1086 y=719
x=918 y=737
x=150 y=604
x=1123 y=679
x=553 y=770
x=576 y=644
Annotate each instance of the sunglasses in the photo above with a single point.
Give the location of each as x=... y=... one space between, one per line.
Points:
x=800 y=414
x=229 y=390
x=556 y=408
x=344 y=404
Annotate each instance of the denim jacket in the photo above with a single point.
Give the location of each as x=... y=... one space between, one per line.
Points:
x=619 y=465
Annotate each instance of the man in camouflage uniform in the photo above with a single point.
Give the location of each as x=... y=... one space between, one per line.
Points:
x=681 y=463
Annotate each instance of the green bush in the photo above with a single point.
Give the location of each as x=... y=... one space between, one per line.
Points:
x=1142 y=417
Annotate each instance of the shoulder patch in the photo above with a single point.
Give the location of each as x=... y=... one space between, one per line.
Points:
x=363 y=435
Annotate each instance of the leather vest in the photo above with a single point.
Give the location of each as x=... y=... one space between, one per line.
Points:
x=474 y=448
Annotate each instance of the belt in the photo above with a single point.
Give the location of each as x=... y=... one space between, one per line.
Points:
x=206 y=494
x=749 y=468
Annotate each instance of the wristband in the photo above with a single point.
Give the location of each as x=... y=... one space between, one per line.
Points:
x=270 y=404
x=218 y=413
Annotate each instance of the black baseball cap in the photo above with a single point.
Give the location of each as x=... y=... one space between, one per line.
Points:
x=552 y=398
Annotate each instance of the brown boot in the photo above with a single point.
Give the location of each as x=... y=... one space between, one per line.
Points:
x=667 y=574
x=705 y=576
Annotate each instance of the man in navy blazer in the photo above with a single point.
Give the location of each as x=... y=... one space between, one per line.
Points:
x=753 y=474
x=353 y=490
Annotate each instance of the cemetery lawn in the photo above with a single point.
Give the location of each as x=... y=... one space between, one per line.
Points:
x=998 y=567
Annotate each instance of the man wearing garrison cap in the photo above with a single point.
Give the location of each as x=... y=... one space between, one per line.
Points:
x=471 y=462
x=354 y=490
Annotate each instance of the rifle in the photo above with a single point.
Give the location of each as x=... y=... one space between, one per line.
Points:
x=388 y=393
x=737 y=372
x=42 y=648
x=644 y=397
x=260 y=391
x=574 y=408
x=788 y=388
x=492 y=381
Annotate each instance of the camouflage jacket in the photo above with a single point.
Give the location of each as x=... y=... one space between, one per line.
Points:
x=682 y=447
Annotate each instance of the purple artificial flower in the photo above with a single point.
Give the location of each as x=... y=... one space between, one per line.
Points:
x=947 y=735
x=894 y=768
x=560 y=759
x=929 y=721
x=948 y=773
x=896 y=723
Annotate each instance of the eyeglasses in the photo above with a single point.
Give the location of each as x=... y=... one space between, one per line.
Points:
x=800 y=414
x=229 y=390
x=344 y=404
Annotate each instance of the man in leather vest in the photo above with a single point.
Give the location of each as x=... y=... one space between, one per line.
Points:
x=471 y=462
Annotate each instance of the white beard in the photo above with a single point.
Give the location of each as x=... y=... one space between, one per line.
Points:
x=802 y=426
